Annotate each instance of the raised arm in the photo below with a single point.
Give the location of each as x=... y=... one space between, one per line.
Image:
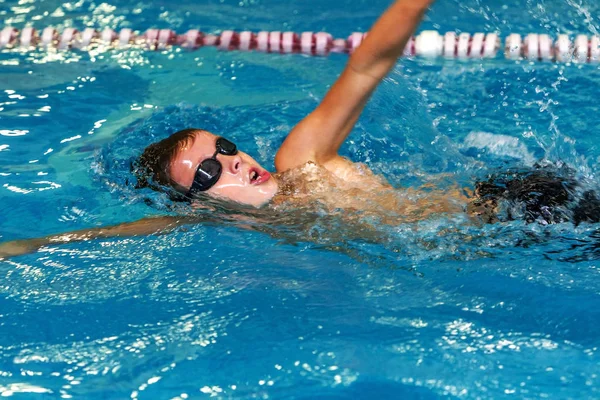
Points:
x=145 y=226
x=319 y=136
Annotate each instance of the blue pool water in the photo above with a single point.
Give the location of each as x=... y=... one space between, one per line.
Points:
x=440 y=309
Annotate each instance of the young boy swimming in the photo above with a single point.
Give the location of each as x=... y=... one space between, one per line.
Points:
x=195 y=161
x=196 y=165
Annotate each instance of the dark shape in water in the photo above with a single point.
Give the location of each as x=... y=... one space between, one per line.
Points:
x=543 y=195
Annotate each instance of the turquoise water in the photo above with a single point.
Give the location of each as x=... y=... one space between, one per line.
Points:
x=440 y=309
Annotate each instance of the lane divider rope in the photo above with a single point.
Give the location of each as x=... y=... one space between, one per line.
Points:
x=429 y=44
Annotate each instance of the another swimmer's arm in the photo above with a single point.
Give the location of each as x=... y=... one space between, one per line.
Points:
x=319 y=136
x=145 y=226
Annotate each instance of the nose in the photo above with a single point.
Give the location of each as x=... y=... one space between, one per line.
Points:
x=234 y=164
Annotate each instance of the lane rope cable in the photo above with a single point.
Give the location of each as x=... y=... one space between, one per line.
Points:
x=429 y=44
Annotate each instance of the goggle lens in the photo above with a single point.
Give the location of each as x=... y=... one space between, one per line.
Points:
x=209 y=171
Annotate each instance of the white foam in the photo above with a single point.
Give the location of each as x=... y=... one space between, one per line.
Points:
x=499 y=145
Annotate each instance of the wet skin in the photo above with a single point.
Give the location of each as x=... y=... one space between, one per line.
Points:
x=243 y=180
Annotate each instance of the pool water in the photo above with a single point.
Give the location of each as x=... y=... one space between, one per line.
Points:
x=439 y=309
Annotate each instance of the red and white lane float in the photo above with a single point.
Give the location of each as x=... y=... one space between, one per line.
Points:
x=429 y=44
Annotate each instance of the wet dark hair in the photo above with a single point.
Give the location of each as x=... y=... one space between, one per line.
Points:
x=152 y=168
x=544 y=195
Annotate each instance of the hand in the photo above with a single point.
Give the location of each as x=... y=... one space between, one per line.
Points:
x=19 y=247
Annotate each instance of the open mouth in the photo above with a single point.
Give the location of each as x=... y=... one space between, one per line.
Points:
x=257 y=177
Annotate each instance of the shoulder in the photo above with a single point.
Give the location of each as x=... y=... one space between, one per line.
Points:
x=358 y=175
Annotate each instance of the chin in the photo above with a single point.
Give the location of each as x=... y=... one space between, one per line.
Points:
x=253 y=200
x=260 y=202
x=265 y=194
x=257 y=196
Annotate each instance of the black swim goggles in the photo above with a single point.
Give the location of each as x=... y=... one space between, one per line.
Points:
x=209 y=171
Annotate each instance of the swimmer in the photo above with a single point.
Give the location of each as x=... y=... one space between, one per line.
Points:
x=201 y=167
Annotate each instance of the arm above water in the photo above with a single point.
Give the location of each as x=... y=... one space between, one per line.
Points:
x=142 y=227
x=319 y=136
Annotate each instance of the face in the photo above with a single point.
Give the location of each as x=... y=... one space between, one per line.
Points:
x=242 y=179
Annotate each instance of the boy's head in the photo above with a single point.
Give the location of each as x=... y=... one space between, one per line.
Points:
x=194 y=161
